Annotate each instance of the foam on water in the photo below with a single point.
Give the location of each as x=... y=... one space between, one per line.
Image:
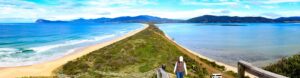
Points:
x=70 y=51
x=7 y=60
x=6 y=51
x=72 y=42
x=37 y=58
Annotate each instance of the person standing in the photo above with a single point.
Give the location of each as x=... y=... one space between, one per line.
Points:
x=161 y=73
x=180 y=68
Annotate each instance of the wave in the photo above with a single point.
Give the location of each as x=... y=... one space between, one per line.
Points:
x=72 y=42
x=7 y=51
x=8 y=58
x=12 y=61
x=71 y=51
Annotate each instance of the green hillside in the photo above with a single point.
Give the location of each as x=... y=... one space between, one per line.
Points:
x=136 y=57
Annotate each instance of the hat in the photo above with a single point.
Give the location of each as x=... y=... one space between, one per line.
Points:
x=180 y=58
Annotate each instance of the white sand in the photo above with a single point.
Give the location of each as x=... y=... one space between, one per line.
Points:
x=46 y=68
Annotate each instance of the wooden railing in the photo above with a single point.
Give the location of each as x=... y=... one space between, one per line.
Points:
x=245 y=66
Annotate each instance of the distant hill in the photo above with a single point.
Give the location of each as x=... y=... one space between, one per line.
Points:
x=123 y=19
x=48 y=21
x=98 y=20
x=200 y=19
x=289 y=19
x=229 y=19
x=144 y=18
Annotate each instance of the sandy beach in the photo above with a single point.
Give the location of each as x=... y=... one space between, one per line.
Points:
x=227 y=67
x=46 y=68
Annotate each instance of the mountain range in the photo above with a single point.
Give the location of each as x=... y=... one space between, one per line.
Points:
x=123 y=19
x=200 y=19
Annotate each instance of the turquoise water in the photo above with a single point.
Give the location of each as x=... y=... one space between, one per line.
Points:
x=30 y=43
x=257 y=43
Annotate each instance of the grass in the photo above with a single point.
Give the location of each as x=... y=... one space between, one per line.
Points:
x=289 y=66
x=40 y=77
x=213 y=64
x=139 y=54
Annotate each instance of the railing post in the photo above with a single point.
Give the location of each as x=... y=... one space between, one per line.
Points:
x=241 y=71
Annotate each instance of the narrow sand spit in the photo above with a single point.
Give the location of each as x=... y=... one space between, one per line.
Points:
x=46 y=68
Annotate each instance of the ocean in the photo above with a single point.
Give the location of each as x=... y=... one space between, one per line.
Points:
x=257 y=43
x=30 y=43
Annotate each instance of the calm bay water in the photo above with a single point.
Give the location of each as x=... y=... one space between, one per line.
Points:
x=257 y=43
x=29 y=43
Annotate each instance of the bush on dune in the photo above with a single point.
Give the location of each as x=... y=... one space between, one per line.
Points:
x=289 y=66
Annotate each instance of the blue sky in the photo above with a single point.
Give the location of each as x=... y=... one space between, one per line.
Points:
x=30 y=10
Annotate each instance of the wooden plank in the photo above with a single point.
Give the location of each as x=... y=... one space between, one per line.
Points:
x=245 y=66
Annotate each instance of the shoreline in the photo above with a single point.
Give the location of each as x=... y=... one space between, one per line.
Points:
x=47 y=68
x=227 y=67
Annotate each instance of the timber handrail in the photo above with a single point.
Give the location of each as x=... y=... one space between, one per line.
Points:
x=245 y=66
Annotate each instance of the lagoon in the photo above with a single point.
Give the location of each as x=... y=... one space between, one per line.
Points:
x=257 y=43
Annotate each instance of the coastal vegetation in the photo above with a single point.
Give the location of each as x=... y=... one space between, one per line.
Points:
x=289 y=66
x=138 y=56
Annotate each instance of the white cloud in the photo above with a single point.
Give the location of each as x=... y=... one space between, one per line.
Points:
x=268 y=7
x=279 y=1
x=121 y=2
x=247 y=6
x=264 y=2
x=270 y=15
x=26 y=11
x=67 y=10
x=290 y=13
x=221 y=2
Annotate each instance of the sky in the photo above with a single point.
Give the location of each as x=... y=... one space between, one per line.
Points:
x=30 y=10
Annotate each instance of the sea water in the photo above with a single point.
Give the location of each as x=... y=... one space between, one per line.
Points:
x=30 y=43
x=257 y=43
